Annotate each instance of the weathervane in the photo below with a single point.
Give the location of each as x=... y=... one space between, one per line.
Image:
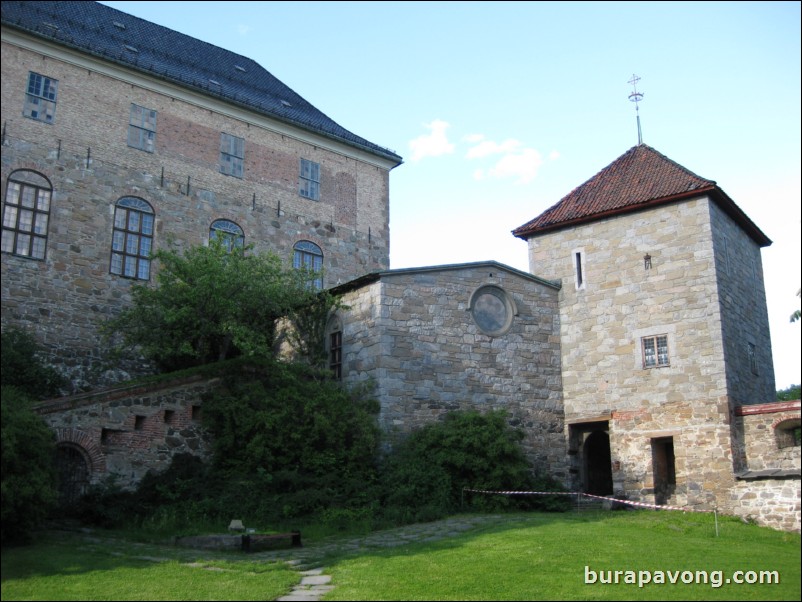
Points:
x=636 y=97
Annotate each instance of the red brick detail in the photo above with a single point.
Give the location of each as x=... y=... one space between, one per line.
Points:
x=768 y=408
x=87 y=443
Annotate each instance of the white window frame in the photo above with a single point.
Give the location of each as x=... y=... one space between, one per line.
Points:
x=232 y=155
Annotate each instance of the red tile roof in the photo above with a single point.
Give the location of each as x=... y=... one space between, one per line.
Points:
x=640 y=178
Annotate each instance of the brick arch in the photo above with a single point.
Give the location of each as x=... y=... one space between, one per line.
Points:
x=81 y=439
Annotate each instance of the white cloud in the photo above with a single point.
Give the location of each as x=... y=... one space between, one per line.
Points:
x=244 y=30
x=432 y=145
x=474 y=138
x=516 y=161
x=554 y=155
x=521 y=165
x=488 y=147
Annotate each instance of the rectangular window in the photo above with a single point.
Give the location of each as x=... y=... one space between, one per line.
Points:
x=579 y=269
x=655 y=351
x=142 y=128
x=336 y=353
x=40 y=99
x=752 y=352
x=309 y=181
x=232 y=155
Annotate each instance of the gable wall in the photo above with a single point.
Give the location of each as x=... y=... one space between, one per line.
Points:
x=413 y=334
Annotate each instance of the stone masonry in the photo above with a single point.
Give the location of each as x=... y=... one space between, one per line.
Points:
x=414 y=334
x=84 y=158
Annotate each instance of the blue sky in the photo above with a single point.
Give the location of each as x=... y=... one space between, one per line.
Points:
x=500 y=109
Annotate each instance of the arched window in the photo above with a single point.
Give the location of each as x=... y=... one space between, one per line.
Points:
x=26 y=214
x=308 y=254
x=132 y=238
x=227 y=232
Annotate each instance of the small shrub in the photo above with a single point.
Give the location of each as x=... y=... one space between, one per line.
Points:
x=426 y=475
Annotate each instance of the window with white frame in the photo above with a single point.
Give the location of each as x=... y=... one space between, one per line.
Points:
x=228 y=233
x=232 y=155
x=142 y=128
x=309 y=180
x=655 y=351
x=308 y=255
x=26 y=214
x=40 y=98
x=132 y=238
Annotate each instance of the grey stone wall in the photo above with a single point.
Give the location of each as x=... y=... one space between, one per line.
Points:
x=412 y=333
x=681 y=294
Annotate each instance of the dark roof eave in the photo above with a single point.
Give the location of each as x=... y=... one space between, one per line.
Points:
x=718 y=195
x=373 y=150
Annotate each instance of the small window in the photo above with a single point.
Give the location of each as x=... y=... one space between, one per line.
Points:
x=232 y=155
x=751 y=350
x=26 y=214
x=169 y=416
x=139 y=423
x=142 y=128
x=309 y=181
x=789 y=433
x=195 y=413
x=229 y=233
x=578 y=259
x=655 y=351
x=336 y=354
x=132 y=238
x=308 y=254
x=40 y=99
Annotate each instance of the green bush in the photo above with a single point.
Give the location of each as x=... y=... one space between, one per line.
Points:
x=28 y=474
x=23 y=368
x=426 y=475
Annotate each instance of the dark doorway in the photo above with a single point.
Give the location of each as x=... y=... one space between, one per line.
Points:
x=665 y=472
x=72 y=468
x=598 y=469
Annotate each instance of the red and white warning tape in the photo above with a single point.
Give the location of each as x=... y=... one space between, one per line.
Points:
x=598 y=497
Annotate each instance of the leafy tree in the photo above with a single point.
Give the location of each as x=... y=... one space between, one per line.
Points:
x=789 y=394
x=797 y=314
x=211 y=303
x=28 y=474
x=23 y=367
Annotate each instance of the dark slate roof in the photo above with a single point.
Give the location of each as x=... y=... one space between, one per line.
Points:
x=639 y=179
x=160 y=52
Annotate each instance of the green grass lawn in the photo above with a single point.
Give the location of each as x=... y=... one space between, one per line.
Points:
x=69 y=567
x=544 y=557
x=529 y=556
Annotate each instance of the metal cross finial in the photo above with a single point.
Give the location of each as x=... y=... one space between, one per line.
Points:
x=636 y=97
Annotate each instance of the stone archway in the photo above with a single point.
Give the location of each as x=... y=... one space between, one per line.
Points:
x=73 y=468
x=79 y=462
x=598 y=469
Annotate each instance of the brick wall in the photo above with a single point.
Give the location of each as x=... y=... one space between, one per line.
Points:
x=127 y=431
x=85 y=156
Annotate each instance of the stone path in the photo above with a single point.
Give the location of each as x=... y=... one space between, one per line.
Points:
x=310 y=560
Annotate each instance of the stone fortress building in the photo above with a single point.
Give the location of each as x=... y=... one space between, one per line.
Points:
x=635 y=355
